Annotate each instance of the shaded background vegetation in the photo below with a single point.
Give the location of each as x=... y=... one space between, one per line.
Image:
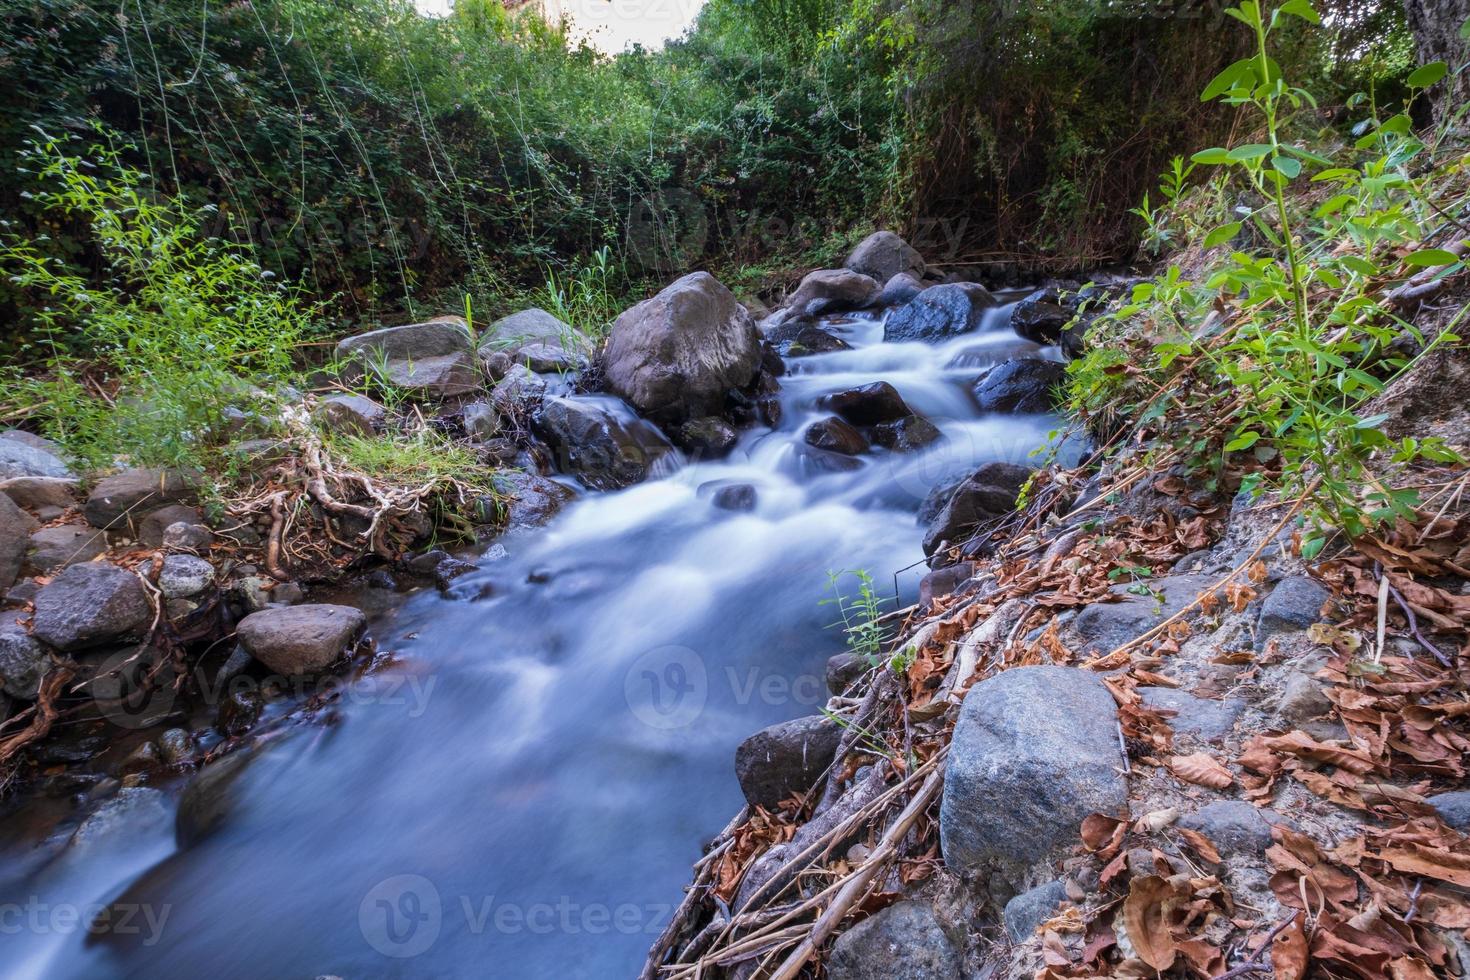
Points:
x=393 y=161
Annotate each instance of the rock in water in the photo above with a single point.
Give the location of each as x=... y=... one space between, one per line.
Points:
x=987 y=495
x=899 y=290
x=592 y=443
x=122 y=500
x=784 y=759
x=91 y=604
x=832 y=291
x=836 y=436
x=902 y=942
x=15 y=539
x=869 y=404
x=906 y=435
x=799 y=338
x=1035 y=751
x=940 y=312
x=675 y=357
x=883 y=255
x=1025 y=386
x=524 y=500
x=299 y=640
x=1042 y=317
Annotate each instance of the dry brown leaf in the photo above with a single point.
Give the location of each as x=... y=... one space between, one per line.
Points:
x=1202 y=769
x=1201 y=844
x=1289 y=952
x=1146 y=917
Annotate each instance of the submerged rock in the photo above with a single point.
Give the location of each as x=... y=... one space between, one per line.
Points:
x=940 y=312
x=883 y=255
x=906 y=435
x=528 y=500
x=868 y=404
x=1025 y=386
x=89 y=605
x=676 y=356
x=798 y=338
x=299 y=640
x=784 y=759
x=835 y=435
x=1035 y=751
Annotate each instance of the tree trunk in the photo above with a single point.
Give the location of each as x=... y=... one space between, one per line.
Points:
x=1436 y=25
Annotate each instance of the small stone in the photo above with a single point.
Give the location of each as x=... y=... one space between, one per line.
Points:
x=784 y=759
x=450 y=569
x=1028 y=910
x=239 y=712
x=23 y=662
x=184 y=575
x=188 y=537
x=706 y=438
x=943 y=582
x=352 y=415
x=1233 y=826
x=287 y=594
x=481 y=421
x=1200 y=717
x=299 y=640
x=91 y=604
x=252 y=593
x=153 y=524
x=843 y=670
x=736 y=497
x=545 y=358
x=907 y=435
x=1293 y=605
x=176 y=747
x=902 y=942
x=1454 y=809
x=1105 y=626
x=836 y=436
x=869 y=404
x=54 y=548
x=1302 y=700
x=145 y=758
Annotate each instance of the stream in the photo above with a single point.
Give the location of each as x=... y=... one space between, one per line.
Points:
x=520 y=785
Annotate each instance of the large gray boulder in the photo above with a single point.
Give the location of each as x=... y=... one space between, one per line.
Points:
x=300 y=640
x=988 y=494
x=676 y=356
x=23 y=662
x=1105 y=626
x=53 y=548
x=883 y=255
x=120 y=501
x=784 y=759
x=533 y=328
x=605 y=452
x=902 y=942
x=832 y=291
x=23 y=454
x=91 y=604
x=1035 y=751
x=434 y=378
x=15 y=538
x=1294 y=604
x=415 y=341
x=1024 y=386
x=940 y=312
x=46 y=495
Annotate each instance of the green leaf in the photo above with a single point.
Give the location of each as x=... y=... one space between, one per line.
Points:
x=1287 y=166
x=1222 y=234
x=1427 y=75
x=1431 y=256
x=1465 y=30
x=1300 y=8
x=1360 y=265
x=1336 y=173
x=1250 y=151
x=1228 y=79
x=1243 y=441
x=1213 y=156
x=1306 y=155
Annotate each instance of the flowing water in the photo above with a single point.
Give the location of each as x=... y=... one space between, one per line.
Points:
x=520 y=789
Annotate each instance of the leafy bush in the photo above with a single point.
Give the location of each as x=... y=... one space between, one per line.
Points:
x=146 y=364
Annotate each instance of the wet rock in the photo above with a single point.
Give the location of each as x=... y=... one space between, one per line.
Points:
x=706 y=438
x=832 y=291
x=528 y=500
x=176 y=747
x=898 y=290
x=119 y=501
x=902 y=942
x=133 y=814
x=23 y=662
x=1028 y=910
x=350 y=415
x=250 y=592
x=22 y=454
x=988 y=494
x=938 y=498
x=1453 y=809
x=154 y=523
x=551 y=359
x=798 y=338
x=835 y=435
x=843 y=670
x=1233 y=826
x=906 y=435
x=184 y=575
x=810 y=460
x=883 y=255
x=481 y=421
x=784 y=759
x=736 y=497
x=603 y=451
x=186 y=536
x=1303 y=700
x=288 y=594
x=415 y=341
x=514 y=334
x=209 y=798
x=1200 y=717
x=1025 y=386
x=519 y=393
x=1043 y=316
x=239 y=712
x=944 y=581
x=1042 y=739
x=91 y=604
x=939 y=312
x=676 y=356
x=450 y=569
x=434 y=378
x=299 y=640
x=48 y=495
x=1293 y=605
x=869 y=404
x=145 y=758
x=15 y=540
x=1104 y=627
